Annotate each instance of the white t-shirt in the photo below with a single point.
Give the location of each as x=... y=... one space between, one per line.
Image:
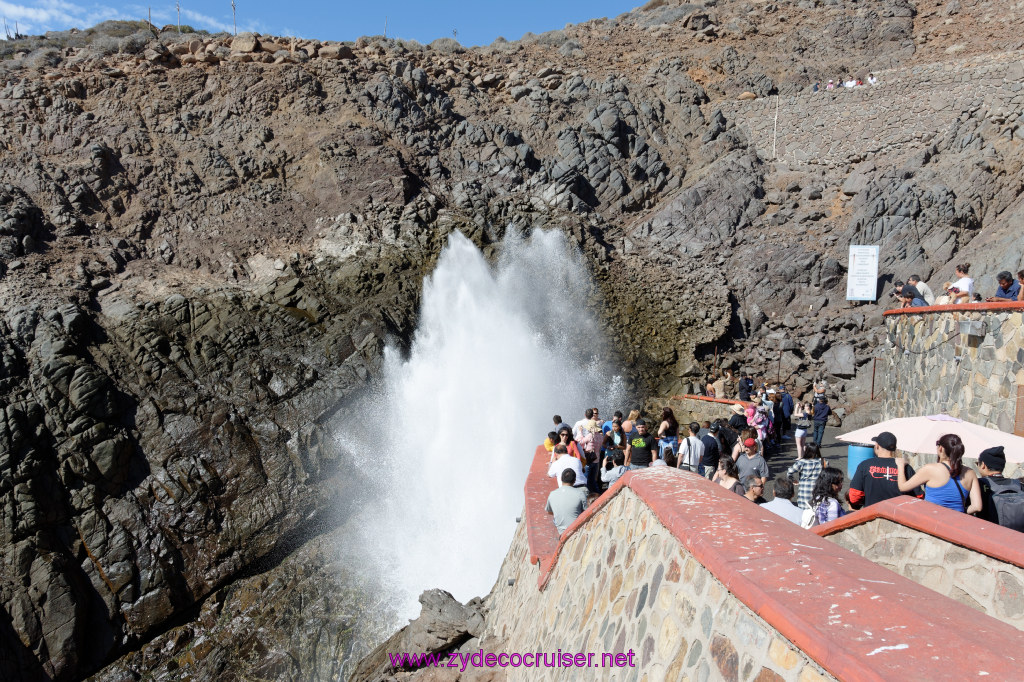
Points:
x=964 y=284
x=564 y=462
x=926 y=292
x=579 y=429
x=691 y=452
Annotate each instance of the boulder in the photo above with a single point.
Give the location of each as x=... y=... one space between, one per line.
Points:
x=443 y=625
x=336 y=52
x=840 y=361
x=245 y=42
x=746 y=96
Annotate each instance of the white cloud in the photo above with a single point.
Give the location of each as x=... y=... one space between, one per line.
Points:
x=204 y=21
x=53 y=15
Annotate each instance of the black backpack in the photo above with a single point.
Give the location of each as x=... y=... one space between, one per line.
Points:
x=1004 y=502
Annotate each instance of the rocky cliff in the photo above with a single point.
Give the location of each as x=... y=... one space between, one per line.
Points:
x=205 y=242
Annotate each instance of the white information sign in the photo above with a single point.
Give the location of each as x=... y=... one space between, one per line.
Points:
x=862 y=273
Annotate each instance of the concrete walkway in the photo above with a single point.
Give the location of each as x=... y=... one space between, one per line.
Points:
x=832 y=450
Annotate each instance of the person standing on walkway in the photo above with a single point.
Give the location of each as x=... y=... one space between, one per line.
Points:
x=877 y=478
x=806 y=470
x=802 y=422
x=821 y=413
x=787 y=411
x=567 y=501
x=947 y=482
x=641 y=447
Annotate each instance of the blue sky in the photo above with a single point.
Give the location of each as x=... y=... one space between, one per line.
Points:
x=476 y=23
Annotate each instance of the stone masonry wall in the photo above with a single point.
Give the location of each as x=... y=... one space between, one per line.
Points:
x=923 y=375
x=977 y=580
x=904 y=110
x=627 y=585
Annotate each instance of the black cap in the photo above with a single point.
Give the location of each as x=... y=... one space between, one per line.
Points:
x=993 y=458
x=885 y=440
x=640 y=422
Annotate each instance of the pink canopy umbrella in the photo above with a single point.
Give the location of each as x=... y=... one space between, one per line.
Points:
x=918 y=434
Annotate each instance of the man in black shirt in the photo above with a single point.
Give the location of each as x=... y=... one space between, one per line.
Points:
x=745 y=387
x=712 y=451
x=641 y=448
x=726 y=437
x=876 y=478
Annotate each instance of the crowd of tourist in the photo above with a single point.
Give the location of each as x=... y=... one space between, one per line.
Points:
x=847 y=82
x=914 y=293
x=733 y=452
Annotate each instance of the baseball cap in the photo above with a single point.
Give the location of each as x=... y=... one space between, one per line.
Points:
x=750 y=442
x=885 y=440
x=993 y=458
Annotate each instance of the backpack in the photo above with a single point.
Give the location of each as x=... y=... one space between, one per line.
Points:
x=593 y=442
x=1007 y=498
x=809 y=519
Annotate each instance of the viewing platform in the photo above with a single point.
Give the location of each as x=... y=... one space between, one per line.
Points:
x=965 y=360
x=699 y=582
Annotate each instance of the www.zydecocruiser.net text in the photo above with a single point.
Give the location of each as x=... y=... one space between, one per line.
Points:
x=529 y=659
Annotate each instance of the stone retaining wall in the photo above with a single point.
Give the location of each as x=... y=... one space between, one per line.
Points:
x=906 y=109
x=697 y=408
x=946 y=559
x=627 y=585
x=698 y=583
x=932 y=368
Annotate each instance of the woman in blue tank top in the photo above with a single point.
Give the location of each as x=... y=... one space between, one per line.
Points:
x=946 y=482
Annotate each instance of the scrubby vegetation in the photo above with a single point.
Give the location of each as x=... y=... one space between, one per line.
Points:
x=106 y=38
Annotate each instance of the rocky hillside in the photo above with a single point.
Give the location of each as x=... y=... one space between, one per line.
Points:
x=206 y=240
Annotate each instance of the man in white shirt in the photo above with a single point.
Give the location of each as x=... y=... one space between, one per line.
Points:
x=562 y=461
x=579 y=429
x=783 y=502
x=926 y=291
x=691 y=450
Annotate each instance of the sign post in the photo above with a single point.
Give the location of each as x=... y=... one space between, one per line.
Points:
x=862 y=273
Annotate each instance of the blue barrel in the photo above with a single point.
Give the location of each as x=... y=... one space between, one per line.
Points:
x=855 y=454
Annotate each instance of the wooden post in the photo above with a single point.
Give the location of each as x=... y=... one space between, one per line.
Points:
x=177 y=6
x=234 y=19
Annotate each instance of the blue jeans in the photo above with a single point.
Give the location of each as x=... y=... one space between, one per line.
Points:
x=819 y=432
x=918 y=303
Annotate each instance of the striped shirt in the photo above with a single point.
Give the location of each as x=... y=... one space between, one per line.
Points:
x=809 y=470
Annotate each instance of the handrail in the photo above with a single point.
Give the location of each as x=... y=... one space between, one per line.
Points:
x=724 y=401
x=839 y=608
x=956 y=528
x=958 y=307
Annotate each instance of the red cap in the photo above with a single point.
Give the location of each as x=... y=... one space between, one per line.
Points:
x=750 y=442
